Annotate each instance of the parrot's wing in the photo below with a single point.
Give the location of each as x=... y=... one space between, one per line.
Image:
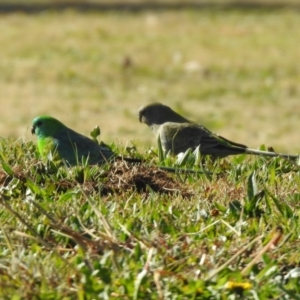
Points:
x=74 y=146
x=178 y=138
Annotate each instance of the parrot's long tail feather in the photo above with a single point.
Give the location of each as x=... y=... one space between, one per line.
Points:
x=272 y=154
x=130 y=159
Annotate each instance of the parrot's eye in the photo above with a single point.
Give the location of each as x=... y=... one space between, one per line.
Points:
x=39 y=123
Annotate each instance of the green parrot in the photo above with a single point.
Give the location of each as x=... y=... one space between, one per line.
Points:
x=61 y=142
x=177 y=134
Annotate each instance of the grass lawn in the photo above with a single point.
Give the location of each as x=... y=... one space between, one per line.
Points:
x=123 y=231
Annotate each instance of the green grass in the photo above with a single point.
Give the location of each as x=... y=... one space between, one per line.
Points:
x=124 y=231
x=121 y=231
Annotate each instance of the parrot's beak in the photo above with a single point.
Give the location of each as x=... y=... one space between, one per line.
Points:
x=33 y=130
x=142 y=118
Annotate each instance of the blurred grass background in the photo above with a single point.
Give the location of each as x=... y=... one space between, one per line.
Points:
x=234 y=70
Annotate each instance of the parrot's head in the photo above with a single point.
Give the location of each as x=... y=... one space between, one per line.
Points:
x=152 y=113
x=158 y=113
x=46 y=126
